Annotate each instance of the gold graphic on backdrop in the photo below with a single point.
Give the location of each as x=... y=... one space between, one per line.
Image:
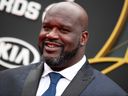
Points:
x=100 y=57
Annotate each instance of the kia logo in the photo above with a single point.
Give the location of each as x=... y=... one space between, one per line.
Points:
x=16 y=52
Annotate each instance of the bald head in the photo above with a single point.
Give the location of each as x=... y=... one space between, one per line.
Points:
x=69 y=9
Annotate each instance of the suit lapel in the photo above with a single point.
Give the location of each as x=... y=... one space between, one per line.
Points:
x=32 y=81
x=80 y=81
x=77 y=85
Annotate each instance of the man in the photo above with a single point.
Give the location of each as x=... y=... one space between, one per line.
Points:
x=62 y=42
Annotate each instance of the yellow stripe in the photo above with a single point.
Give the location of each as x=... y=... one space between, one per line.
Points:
x=116 y=32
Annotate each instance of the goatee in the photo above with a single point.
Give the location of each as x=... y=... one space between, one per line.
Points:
x=62 y=59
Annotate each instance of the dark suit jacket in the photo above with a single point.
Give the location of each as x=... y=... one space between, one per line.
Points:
x=24 y=81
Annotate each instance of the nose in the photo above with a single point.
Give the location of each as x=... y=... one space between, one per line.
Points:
x=53 y=34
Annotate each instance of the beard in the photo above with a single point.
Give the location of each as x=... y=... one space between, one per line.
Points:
x=62 y=59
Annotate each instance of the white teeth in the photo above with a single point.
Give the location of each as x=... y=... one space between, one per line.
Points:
x=51 y=46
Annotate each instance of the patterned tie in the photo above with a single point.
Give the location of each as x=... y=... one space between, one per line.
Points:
x=51 y=91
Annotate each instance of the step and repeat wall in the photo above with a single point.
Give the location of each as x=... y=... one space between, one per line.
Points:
x=107 y=49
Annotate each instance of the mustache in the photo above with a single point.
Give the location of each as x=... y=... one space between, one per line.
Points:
x=53 y=41
x=41 y=45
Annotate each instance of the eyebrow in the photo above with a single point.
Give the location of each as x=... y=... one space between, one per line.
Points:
x=61 y=25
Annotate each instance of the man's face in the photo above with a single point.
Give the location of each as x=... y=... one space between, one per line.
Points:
x=59 y=39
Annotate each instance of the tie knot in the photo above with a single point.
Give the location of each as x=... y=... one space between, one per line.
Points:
x=54 y=77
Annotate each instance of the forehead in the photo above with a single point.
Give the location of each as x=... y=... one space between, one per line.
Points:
x=63 y=8
x=61 y=14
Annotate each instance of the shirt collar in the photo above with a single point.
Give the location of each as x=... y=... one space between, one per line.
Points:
x=65 y=73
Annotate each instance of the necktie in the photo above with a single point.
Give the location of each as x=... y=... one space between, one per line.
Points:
x=51 y=91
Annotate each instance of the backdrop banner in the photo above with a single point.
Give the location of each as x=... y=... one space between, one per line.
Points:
x=107 y=49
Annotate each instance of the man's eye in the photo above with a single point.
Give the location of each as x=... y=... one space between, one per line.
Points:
x=64 y=30
x=46 y=28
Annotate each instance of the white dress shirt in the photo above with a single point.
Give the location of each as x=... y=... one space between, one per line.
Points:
x=68 y=74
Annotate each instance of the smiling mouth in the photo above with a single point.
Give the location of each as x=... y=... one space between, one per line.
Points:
x=52 y=46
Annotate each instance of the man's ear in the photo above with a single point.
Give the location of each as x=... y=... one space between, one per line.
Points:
x=84 y=38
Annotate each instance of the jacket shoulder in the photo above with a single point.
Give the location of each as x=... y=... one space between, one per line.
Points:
x=102 y=85
x=18 y=70
x=12 y=80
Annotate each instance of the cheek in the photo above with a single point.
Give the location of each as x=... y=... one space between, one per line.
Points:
x=70 y=43
x=41 y=38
